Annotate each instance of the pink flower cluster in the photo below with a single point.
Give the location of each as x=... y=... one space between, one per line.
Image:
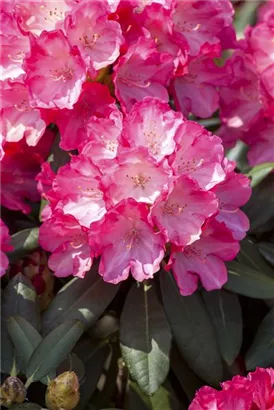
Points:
x=145 y=182
x=150 y=179
x=247 y=103
x=254 y=392
x=5 y=246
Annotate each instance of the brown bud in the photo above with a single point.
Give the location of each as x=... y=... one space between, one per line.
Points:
x=12 y=391
x=63 y=392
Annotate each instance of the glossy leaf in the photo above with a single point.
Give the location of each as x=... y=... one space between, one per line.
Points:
x=53 y=350
x=82 y=299
x=188 y=380
x=93 y=370
x=25 y=338
x=260 y=207
x=19 y=298
x=259 y=172
x=251 y=256
x=193 y=331
x=261 y=352
x=267 y=250
x=249 y=282
x=145 y=338
x=23 y=242
x=225 y=311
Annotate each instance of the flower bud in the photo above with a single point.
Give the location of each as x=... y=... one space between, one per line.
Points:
x=63 y=392
x=12 y=392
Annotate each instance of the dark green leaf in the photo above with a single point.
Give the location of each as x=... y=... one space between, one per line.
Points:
x=225 y=311
x=249 y=282
x=145 y=338
x=25 y=338
x=82 y=299
x=261 y=352
x=23 y=242
x=53 y=350
x=267 y=250
x=19 y=299
x=249 y=255
x=188 y=379
x=193 y=331
x=259 y=172
x=260 y=207
x=93 y=370
x=239 y=154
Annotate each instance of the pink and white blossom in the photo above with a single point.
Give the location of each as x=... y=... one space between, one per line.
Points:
x=127 y=243
x=68 y=241
x=55 y=71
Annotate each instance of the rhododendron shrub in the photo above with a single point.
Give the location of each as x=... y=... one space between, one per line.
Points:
x=137 y=223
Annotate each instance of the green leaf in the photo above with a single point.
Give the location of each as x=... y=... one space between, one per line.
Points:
x=193 y=331
x=249 y=282
x=249 y=255
x=226 y=315
x=82 y=299
x=267 y=250
x=259 y=172
x=261 y=352
x=53 y=350
x=162 y=399
x=23 y=242
x=187 y=378
x=19 y=299
x=94 y=368
x=239 y=154
x=25 y=338
x=145 y=338
x=260 y=207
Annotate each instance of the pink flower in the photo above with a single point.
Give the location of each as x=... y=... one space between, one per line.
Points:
x=97 y=38
x=203 y=259
x=253 y=392
x=55 y=71
x=202 y=23
x=241 y=101
x=5 y=247
x=141 y=72
x=233 y=193
x=75 y=190
x=103 y=142
x=135 y=175
x=68 y=241
x=91 y=115
x=196 y=91
x=266 y=13
x=153 y=125
x=19 y=120
x=260 y=45
x=14 y=47
x=37 y=16
x=127 y=242
x=261 y=140
x=199 y=156
x=181 y=213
